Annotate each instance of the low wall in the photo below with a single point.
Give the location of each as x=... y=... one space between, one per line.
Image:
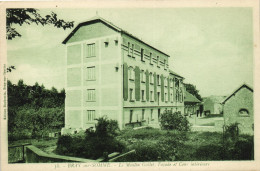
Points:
x=123 y=157
x=35 y=155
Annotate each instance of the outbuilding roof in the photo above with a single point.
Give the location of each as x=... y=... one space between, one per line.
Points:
x=110 y=25
x=236 y=90
x=174 y=73
x=190 y=98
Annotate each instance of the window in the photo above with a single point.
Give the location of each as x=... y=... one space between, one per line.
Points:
x=91 y=95
x=91 y=50
x=171 y=97
x=243 y=112
x=151 y=95
x=142 y=95
x=91 y=74
x=143 y=76
x=131 y=116
x=128 y=48
x=166 y=97
x=177 y=95
x=157 y=60
x=181 y=96
x=165 y=82
x=151 y=114
x=142 y=55
x=158 y=80
x=133 y=47
x=143 y=112
x=151 y=78
x=151 y=57
x=131 y=93
x=131 y=73
x=90 y=115
x=177 y=83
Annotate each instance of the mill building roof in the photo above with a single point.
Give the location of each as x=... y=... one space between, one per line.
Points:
x=110 y=25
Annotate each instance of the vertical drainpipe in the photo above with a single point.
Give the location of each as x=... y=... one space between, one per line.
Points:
x=121 y=67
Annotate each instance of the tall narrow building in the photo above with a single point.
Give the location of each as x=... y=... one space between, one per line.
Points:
x=112 y=73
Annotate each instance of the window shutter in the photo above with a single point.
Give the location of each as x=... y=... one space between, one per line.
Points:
x=96 y=48
x=169 y=94
x=147 y=83
x=173 y=88
x=155 y=86
x=162 y=88
x=125 y=82
x=137 y=83
x=84 y=50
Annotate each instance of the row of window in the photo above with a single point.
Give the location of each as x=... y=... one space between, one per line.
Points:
x=178 y=96
x=142 y=117
x=131 y=74
x=131 y=54
x=151 y=117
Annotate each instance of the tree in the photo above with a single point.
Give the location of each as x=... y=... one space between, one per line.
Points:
x=28 y=16
x=192 y=90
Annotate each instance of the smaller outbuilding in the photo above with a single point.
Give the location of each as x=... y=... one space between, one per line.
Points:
x=191 y=104
x=212 y=105
x=239 y=108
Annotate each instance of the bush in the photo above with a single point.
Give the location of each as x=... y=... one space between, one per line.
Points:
x=92 y=144
x=174 y=121
x=209 y=152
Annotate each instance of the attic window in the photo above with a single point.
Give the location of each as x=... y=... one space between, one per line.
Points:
x=116 y=42
x=106 y=42
x=243 y=112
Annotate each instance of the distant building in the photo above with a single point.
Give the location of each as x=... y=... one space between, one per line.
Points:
x=239 y=107
x=112 y=73
x=191 y=104
x=213 y=105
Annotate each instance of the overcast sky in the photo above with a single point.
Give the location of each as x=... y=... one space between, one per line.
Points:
x=211 y=47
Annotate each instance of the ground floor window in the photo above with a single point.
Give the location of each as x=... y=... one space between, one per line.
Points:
x=90 y=115
x=151 y=114
x=143 y=113
x=131 y=116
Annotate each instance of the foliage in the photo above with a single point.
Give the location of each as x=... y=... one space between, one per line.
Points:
x=174 y=121
x=94 y=143
x=31 y=123
x=33 y=111
x=192 y=90
x=10 y=68
x=28 y=16
x=152 y=144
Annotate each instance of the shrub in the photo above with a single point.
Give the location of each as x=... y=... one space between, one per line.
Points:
x=209 y=152
x=174 y=121
x=92 y=144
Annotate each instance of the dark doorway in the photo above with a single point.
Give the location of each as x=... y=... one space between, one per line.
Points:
x=159 y=113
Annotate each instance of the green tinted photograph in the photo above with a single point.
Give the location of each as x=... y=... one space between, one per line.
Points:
x=130 y=84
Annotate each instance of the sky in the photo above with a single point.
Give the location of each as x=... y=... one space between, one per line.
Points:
x=211 y=48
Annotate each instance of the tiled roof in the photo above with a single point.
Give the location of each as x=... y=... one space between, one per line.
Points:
x=190 y=98
x=111 y=25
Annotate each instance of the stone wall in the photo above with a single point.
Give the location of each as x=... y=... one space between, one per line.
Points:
x=243 y=99
x=35 y=155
